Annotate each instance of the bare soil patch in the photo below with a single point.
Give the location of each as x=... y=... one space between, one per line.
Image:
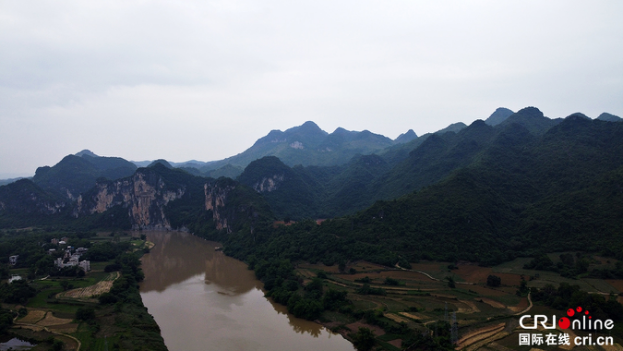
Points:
x=366 y=266
x=354 y=327
x=497 y=336
x=64 y=328
x=478 y=275
x=97 y=289
x=50 y=320
x=492 y=303
x=473 y=273
x=479 y=334
x=32 y=317
x=410 y=315
x=616 y=283
x=498 y=347
x=397 y=343
x=486 y=291
x=615 y=347
x=396 y=318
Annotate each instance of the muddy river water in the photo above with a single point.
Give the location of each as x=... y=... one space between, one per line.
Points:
x=204 y=300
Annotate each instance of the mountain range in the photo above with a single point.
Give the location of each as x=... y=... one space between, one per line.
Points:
x=493 y=188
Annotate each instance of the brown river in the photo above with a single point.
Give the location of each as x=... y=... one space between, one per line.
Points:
x=204 y=300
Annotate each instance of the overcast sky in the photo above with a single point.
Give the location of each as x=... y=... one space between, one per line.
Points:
x=203 y=80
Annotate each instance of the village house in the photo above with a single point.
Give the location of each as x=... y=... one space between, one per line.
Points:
x=73 y=259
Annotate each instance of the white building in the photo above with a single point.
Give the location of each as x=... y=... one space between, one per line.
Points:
x=73 y=261
x=13 y=260
x=85 y=265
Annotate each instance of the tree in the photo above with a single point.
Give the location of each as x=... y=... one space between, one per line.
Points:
x=57 y=345
x=364 y=339
x=391 y=281
x=494 y=280
x=6 y=319
x=567 y=259
x=451 y=283
x=85 y=314
x=66 y=285
x=341 y=266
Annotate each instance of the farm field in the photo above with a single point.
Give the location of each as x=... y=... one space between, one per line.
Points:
x=51 y=313
x=486 y=316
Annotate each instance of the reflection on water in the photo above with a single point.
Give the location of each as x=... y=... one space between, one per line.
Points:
x=16 y=344
x=179 y=256
x=204 y=300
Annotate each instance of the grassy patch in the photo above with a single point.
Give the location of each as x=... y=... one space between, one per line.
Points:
x=333 y=316
x=85 y=335
x=601 y=285
x=389 y=337
x=364 y=304
x=393 y=305
x=387 y=346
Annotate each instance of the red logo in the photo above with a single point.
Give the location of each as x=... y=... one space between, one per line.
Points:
x=565 y=323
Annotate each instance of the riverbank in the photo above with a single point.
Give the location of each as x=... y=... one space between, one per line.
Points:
x=200 y=296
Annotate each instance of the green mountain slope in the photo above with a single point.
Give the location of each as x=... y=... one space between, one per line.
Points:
x=76 y=174
x=609 y=117
x=309 y=145
x=499 y=116
x=523 y=195
x=23 y=203
x=319 y=192
x=287 y=191
x=557 y=192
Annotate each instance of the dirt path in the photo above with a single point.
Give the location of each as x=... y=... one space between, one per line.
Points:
x=528 y=308
x=426 y=274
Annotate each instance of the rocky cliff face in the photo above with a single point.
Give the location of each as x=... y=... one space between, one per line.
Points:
x=145 y=195
x=157 y=198
x=268 y=184
x=215 y=200
x=234 y=206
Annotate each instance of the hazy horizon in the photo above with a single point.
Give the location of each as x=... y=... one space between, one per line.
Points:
x=204 y=80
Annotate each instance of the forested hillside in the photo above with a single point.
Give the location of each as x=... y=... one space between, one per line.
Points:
x=514 y=185
x=522 y=195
